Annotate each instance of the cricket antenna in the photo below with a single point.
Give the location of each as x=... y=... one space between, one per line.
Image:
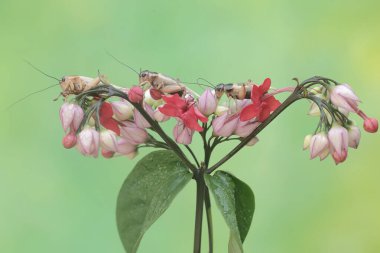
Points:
x=41 y=71
x=211 y=85
x=30 y=94
x=199 y=84
x=122 y=63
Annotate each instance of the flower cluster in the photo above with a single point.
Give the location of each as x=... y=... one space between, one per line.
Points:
x=122 y=127
x=334 y=102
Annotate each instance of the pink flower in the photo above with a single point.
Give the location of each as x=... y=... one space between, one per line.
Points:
x=243 y=129
x=182 y=134
x=225 y=125
x=319 y=146
x=140 y=120
x=88 y=142
x=122 y=110
x=108 y=140
x=354 y=136
x=262 y=104
x=127 y=148
x=133 y=134
x=71 y=116
x=338 y=138
x=70 y=140
x=183 y=109
x=207 y=102
x=343 y=96
x=136 y=94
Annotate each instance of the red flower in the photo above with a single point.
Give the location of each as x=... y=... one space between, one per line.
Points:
x=178 y=107
x=106 y=118
x=262 y=105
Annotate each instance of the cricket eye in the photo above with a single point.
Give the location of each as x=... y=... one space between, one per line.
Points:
x=63 y=79
x=143 y=75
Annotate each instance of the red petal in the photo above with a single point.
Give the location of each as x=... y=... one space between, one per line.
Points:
x=190 y=120
x=264 y=114
x=272 y=103
x=199 y=115
x=175 y=100
x=249 y=112
x=170 y=110
x=111 y=124
x=105 y=111
x=155 y=94
x=265 y=85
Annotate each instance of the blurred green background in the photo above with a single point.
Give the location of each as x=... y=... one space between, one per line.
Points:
x=54 y=200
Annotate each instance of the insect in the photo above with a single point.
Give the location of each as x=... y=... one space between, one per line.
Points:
x=160 y=84
x=70 y=85
x=234 y=90
x=75 y=85
x=238 y=91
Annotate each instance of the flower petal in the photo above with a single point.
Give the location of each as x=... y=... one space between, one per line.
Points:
x=249 y=112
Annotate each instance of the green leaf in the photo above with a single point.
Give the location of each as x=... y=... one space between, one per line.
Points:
x=236 y=202
x=147 y=193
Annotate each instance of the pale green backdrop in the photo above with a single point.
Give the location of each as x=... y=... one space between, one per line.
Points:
x=54 y=200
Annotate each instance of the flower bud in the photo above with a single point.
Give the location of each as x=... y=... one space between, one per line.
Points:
x=108 y=140
x=71 y=116
x=225 y=125
x=314 y=110
x=353 y=137
x=343 y=96
x=125 y=147
x=159 y=116
x=148 y=99
x=253 y=141
x=70 y=140
x=122 y=110
x=132 y=133
x=371 y=125
x=207 y=103
x=221 y=109
x=238 y=105
x=88 y=142
x=318 y=144
x=182 y=134
x=136 y=94
x=306 y=141
x=155 y=94
x=107 y=154
x=338 y=138
x=140 y=120
x=244 y=128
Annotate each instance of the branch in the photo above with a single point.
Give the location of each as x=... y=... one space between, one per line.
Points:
x=291 y=99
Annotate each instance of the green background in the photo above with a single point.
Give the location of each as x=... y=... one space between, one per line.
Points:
x=54 y=200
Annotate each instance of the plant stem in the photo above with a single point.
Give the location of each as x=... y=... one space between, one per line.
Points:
x=291 y=99
x=209 y=221
x=201 y=186
x=172 y=144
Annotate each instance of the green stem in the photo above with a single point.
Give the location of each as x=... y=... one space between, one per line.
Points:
x=201 y=186
x=209 y=221
x=291 y=99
